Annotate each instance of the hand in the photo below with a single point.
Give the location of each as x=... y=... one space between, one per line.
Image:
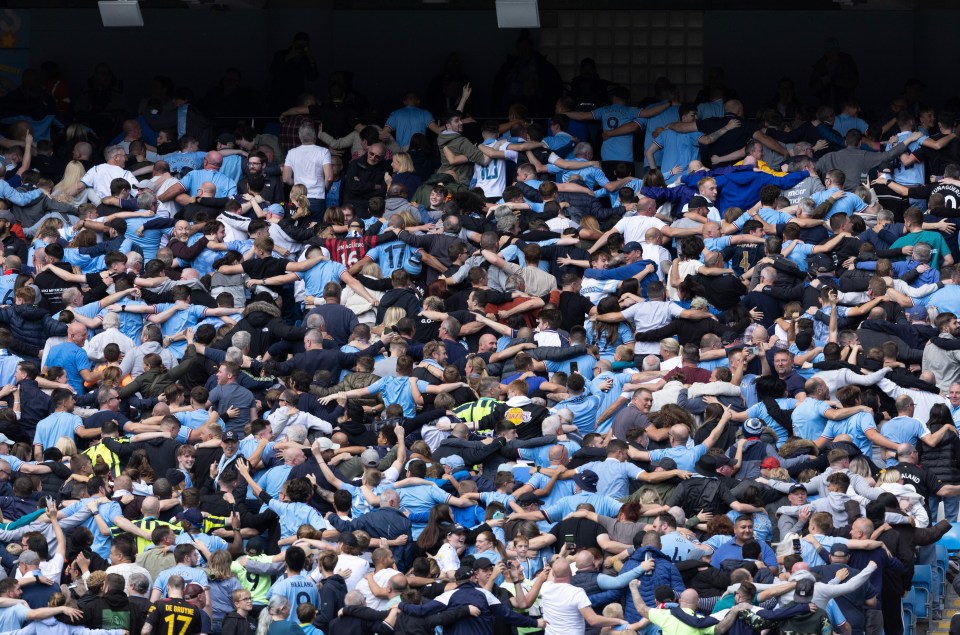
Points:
x=402 y=540
x=606 y=385
x=474 y=611
x=634 y=584
x=243 y=467
x=705 y=516
x=843 y=574
x=648 y=565
x=756 y=315
x=82 y=562
x=732 y=124
x=233 y=412
x=804 y=514
x=820 y=145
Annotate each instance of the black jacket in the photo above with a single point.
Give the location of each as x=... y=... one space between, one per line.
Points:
x=32 y=326
x=262 y=321
x=236 y=624
x=332 y=592
x=361 y=182
x=407 y=624
x=943 y=460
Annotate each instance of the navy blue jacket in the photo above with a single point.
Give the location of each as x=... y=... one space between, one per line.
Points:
x=469 y=594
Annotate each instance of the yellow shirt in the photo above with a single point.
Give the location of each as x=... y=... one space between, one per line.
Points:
x=763 y=167
x=672 y=626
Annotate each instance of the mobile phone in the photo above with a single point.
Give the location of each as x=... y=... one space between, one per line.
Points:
x=497 y=515
x=752 y=350
x=569 y=540
x=574 y=367
x=545 y=563
x=796 y=546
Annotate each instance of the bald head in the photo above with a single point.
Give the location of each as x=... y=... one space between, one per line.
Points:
x=689 y=599
x=150 y=506
x=460 y=431
x=584 y=561
x=213 y=160
x=679 y=434
x=208 y=189
x=561 y=570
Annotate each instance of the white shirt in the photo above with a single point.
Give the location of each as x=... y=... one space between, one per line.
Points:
x=358 y=568
x=447 y=558
x=307 y=163
x=51 y=569
x=648 y=316
x=95 y=345
x=560 y=605
x=634 y=228
x=128 y=569
x=99 y=177
x=657 y=254
x=381 y=577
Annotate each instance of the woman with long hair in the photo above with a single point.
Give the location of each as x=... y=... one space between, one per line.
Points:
x=156 y=377
x=687 y=264
x=71 y=177
x=944 y=461
x=432 y=536
x=223 y=584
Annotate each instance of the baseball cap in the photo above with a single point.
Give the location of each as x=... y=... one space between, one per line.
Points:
x=587 y=480
x=917 y=313
x=769 y=463
x=453 y=460
x=709 y=463
x=667 y=464
x=192 y=515
x=753 y=426
x=5 y=439
x=452 y=528
x=463 y=573
x=528 y=498
x=795 y=487
x=370 y=458
x=256 y=544
x=192 y=591
x=631 y=246
x=230 y=437
x=276 y=208
x=804 y=590
x=28 y=557
x=327 y=444
x=698 y=202
x=822 y=263
x=482 y=563
x=839 y=549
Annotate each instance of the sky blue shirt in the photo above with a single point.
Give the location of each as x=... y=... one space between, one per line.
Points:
x=686 y=458
x=904 y=430
x=108 y=511
x=856 y=426
x=603 y=505
x=759 y=410
x=420 y=499
x=593 y=177
x=914 y=174
x=391 y=256
x=72 y=359
x=408 y=121
x=561 y=489
x=397 y=390
x=614 y=476
x=58 y=424
x=808 y=420
x=669 y=115
x=299 y=590
x=212 y=543
x=584 y=408
x=540 y=455
x=192 y=181
x=293 y=515
x=179 y=322
x=612 y=117
x=149 y=243
x=317 y=276
x=679 y=149
x=848 y=204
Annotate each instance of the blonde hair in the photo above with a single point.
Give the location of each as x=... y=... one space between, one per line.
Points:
x=66 y=445
x=888 y=476
x=71 y=176
x=404 y=162
x=372 y=270
x=393 y=315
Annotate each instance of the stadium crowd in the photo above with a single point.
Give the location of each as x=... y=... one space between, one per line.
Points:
x=351 y=374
